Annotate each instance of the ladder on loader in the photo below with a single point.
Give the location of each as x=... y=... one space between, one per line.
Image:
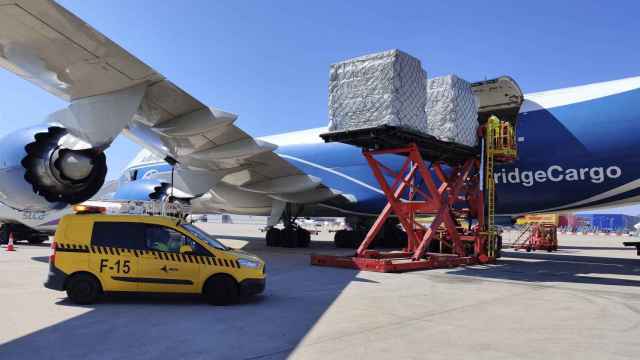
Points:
x=490 y=189
x=499 y=144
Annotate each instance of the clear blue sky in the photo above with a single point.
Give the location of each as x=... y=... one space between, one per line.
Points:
x=269 y=61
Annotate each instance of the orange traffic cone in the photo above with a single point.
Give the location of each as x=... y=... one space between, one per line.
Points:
x=10 y=244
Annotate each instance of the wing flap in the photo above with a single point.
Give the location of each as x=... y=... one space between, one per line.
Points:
x=309 y=196
x=284 y=185
x=195 y=123
x=170 y=101
x=240 y=149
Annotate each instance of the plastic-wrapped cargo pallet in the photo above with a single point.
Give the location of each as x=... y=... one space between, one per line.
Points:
x=387 y=88
x=452 y=110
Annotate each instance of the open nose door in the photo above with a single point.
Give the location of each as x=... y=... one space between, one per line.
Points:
x=501 y=97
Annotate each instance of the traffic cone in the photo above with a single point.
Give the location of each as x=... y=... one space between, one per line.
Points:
x=10 y=244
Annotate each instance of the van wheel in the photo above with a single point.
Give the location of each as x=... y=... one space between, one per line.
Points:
x=220 y=290
x=83 y=289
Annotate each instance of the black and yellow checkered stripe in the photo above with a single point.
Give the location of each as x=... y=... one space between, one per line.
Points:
x=72 y=248
x=107 y=250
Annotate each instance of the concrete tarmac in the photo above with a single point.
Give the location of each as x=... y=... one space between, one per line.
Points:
x=582 y=302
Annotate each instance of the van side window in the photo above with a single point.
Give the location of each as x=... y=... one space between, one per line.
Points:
x=197 y=248
x=160 y=238
x=125 y=235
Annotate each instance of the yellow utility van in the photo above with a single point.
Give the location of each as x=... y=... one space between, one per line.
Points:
x=94 y=254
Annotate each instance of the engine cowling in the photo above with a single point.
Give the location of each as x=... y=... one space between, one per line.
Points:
x=149 y=189
x=39 y=170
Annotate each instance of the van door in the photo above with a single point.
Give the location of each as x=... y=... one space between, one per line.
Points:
x=115 y=247
x=164 y=269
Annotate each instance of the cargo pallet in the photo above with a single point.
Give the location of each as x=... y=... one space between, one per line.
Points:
x=456 y=189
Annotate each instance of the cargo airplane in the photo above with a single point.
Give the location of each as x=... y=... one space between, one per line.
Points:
x=577 y=146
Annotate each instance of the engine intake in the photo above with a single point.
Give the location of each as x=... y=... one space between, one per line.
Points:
x=52 y=173
x=63 y=175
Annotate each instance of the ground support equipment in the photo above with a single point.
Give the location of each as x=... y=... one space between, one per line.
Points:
x=448 y=190
x=538 y=236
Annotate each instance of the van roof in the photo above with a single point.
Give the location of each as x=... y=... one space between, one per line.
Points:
x=147 y=219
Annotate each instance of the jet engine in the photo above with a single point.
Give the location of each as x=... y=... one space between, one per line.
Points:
x=149 y=189
x=44 y=168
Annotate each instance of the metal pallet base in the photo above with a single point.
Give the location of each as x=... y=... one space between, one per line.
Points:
x=394 y=262
x=390 y=137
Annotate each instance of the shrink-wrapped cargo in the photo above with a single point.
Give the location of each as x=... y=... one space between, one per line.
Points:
x=452 y=110
x=387 y=88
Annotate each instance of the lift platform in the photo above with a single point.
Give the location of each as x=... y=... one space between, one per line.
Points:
x=448 y=182
x=387 y=137
x=540 y=233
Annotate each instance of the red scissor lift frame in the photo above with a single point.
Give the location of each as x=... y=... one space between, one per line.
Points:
x=416 y=190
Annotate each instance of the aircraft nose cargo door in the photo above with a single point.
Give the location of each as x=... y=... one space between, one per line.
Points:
x=499 y=97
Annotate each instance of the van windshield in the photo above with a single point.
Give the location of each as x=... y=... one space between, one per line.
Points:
x=200 y=234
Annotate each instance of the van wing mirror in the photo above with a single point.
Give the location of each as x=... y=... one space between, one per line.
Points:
x=186 y=249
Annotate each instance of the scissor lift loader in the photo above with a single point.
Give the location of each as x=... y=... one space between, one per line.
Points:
x=450 y=182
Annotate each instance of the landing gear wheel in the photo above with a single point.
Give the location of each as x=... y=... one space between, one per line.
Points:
x=274 y=237
x=83 y=289
x=290 y=237
x=220 y=290
x=357 y=237
x=37 y=239
x=348 y=239
x=341 y=239
x=393 y=238
x=304 y=238
x=4 y=235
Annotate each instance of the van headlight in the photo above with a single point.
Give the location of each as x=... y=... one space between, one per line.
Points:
x=249 y=264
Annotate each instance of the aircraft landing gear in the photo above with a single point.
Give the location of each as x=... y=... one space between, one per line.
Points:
x=4 y=234
x=20 y=233
x=391 y=235
x=291 y=236
x=348 y=239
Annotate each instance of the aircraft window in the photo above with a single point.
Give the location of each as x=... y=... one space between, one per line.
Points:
x=118 y=234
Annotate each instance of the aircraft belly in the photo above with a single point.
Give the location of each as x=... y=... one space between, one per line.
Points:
x=564 y=160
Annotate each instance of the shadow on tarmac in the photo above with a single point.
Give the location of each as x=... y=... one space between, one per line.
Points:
x=25 y=243
x=617 y=248
x=555 y=267
x=269 y=326
x=44 y=259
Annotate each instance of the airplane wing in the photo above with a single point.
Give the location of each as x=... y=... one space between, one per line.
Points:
x=47 y=45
